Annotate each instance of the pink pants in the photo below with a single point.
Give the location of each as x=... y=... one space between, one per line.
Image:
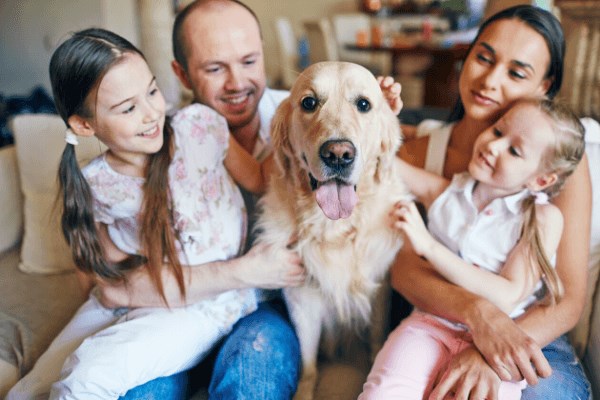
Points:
x=410 y=360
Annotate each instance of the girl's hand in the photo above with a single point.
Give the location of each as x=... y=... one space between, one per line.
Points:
x=391 y=91
x=509 y=351
x=267 y=267
x=467 y=376
x=406 y=218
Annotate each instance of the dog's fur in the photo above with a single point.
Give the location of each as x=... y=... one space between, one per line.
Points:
x=347 y=254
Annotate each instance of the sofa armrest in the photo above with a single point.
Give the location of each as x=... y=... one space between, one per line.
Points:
x=11 y=200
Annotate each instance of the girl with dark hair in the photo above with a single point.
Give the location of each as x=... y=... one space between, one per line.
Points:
x=490 y=231
x=158 y=199
x=518 y=53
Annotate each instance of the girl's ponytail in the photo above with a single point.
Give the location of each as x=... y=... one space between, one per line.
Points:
x=78 y=223
x=562 y=159
x=535 y=250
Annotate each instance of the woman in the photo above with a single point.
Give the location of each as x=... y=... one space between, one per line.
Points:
x=517 y=53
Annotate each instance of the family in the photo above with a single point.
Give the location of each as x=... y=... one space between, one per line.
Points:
x=178 y=191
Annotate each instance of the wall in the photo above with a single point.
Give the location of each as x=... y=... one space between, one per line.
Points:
x=31 y=29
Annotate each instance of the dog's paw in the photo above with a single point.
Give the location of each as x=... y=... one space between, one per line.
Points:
x=306 y=388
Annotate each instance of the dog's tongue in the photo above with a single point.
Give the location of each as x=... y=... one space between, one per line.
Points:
x=336 y=199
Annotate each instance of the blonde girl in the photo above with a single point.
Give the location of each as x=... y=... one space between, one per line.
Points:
x=491 y=231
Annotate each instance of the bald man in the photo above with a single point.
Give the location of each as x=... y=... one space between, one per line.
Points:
x=218 y=53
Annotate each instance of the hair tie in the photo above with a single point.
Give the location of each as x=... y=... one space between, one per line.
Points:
x=70 y=137
x=540 y=197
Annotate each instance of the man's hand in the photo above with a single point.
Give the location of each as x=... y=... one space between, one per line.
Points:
x=391 y=91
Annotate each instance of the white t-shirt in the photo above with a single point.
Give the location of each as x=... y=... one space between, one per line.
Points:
x=439 y=136
x=483 y=238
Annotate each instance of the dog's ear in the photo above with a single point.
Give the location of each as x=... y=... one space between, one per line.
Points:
x=391 y=138
x=280 y=137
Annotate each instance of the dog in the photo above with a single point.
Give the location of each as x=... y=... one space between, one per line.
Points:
x=336 y=180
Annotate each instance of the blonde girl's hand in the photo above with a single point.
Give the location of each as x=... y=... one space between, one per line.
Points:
x=391 y=91
x=269 y=267
x=406 y=218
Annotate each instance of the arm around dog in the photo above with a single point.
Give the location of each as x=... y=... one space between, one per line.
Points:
x=262 y=267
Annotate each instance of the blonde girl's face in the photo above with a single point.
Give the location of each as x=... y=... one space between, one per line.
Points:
x=129 y=111
x=509 y=155
x=508 y=62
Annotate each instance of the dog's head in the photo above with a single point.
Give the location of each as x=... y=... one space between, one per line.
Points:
x=336 y=131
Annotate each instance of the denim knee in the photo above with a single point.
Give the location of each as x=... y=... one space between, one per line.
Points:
x=568 y=380
x=260 y=359
x=172 y=387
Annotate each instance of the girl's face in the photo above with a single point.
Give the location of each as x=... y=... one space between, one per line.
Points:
x=129 y=112
x=509 y=155
x=508 y=62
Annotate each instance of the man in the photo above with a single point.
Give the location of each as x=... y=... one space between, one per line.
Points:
x=218 y=55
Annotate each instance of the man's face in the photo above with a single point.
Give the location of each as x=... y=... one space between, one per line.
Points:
x=225 y=67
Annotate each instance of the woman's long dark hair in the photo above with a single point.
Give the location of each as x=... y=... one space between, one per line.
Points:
x=76 y=69
x=544 y=23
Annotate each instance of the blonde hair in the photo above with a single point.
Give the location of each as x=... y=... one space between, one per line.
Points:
x=561 y=159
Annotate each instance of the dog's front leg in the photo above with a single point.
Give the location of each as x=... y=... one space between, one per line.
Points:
x=305 y=306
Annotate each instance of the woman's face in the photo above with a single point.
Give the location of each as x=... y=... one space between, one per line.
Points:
x=508 y=62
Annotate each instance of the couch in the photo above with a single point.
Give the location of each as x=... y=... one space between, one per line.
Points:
x=39 y=291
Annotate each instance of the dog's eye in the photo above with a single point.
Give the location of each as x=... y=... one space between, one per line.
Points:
x=309 y=103
x=363 y=105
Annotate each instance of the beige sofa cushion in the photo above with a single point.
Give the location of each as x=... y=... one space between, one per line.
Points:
x=39 y=141
x=11 y=212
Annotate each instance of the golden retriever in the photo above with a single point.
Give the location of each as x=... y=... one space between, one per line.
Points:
x=335 y=141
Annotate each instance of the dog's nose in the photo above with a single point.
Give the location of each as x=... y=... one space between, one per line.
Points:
x=337 y=154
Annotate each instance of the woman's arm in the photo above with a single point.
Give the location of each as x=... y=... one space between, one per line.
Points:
x=415 y=279
x=245 y=170
x=504 y=344
x=505 y=290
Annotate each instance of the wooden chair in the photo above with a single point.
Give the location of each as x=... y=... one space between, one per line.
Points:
x=321 y=40
x=288 y=52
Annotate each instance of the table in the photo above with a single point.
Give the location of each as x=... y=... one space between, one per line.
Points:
x=441 y=78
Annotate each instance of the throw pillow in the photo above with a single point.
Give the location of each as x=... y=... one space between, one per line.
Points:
x=39 y=141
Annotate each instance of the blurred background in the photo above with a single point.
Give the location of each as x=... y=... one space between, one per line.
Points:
x=420 y=42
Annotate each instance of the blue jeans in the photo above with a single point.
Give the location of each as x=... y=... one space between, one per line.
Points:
x=260 y=359
x=567 y=382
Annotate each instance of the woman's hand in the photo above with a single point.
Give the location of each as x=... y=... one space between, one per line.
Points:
x=391 y=91
x=467 y=376
x=509 y=351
